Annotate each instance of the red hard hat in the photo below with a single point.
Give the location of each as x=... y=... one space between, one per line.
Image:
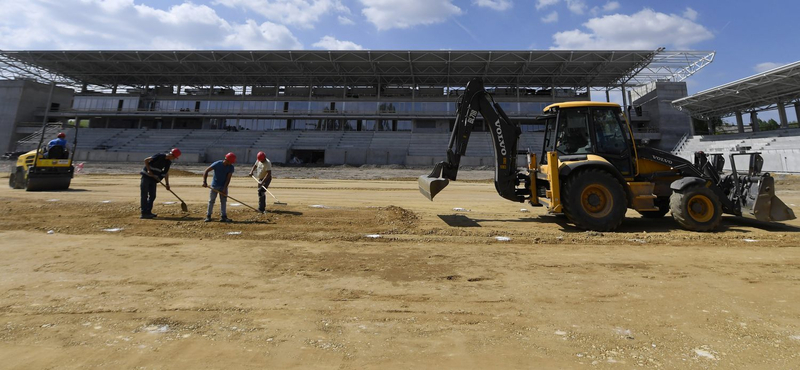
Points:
x=261 y=156
x=62 y=135
x=175 y=152
x=230 y=157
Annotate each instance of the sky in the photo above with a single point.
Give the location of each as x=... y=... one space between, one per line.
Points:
x=748 y=37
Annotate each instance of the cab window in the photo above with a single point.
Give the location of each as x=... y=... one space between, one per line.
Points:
x=573 y=132
x=610 y=135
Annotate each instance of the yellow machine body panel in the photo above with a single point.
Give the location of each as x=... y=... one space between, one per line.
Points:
x=26 y=160
x=34 y=172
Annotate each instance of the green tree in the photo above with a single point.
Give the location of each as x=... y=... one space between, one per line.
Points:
x=768 y=125
x=706 y=127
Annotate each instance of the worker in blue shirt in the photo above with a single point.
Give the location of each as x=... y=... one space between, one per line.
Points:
x=58 y=141
x=156 y=167
x=223 y=171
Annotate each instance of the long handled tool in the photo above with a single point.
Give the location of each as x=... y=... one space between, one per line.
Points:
x=183 y=204
x=226 y=195
x=278 y=202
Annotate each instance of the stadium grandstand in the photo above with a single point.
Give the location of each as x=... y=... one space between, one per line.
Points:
x=327 y=107
x=767 y=91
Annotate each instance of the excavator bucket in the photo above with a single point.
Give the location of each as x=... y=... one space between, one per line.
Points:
x=765 y=206
x=430 y=186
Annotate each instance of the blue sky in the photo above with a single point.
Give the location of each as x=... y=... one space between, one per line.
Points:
x=747 y=38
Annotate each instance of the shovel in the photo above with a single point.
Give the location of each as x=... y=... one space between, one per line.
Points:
x=240 y=202
x=183 y=204
x=278 y=202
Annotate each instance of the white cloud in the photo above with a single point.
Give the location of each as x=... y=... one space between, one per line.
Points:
x=125 y=25
x=576 y=6
x=255 y=36
x=299 y=13
x=346 y=21
x=545 y=3
x=499 y=5
x=766 y=66
x=607 y=8
x=388 y=14
x=644 y=30
x=331 y=43
x=551 y=18
x=690 y=14
x=610 y=6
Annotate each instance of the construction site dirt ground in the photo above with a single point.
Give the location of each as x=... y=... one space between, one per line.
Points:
x=358 y=270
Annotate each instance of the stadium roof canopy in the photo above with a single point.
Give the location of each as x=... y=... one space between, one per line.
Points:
x=755 y=93
x=563 y=68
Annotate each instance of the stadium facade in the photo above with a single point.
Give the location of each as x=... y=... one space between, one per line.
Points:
x=331 y=107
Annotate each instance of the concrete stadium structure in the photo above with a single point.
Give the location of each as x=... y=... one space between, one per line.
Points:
x=328 y=107
x=770 y=90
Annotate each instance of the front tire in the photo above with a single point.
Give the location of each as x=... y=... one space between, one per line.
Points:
x=696 y=209
x=594 y=200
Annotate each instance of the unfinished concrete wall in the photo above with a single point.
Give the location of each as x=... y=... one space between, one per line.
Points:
x=10 y=96
x=23 y=101
x=671 y=123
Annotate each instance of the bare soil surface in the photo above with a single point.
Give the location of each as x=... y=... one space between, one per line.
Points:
x=358 y=270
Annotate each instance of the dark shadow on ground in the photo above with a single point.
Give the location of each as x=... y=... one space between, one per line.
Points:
x=662 y=225
x=766 y=226
x=181 y=218
x=70 y=190
x=290 y=213
x=459 y=221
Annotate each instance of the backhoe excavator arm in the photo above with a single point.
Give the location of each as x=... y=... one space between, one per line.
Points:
x=505 y=135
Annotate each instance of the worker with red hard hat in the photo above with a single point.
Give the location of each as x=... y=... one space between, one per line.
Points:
x=223 y=171
x=61 y=141
x=156 y=168
x=263 y=170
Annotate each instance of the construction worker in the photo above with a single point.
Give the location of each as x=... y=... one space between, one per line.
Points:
x=155 y=169
x=223 y=171
x=264 y=170
x=59 y=141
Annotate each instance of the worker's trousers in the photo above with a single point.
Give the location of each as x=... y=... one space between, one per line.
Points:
x=262 y=195
x=212 y=197
x=148 y=194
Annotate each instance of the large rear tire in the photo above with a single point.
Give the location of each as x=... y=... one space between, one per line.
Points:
x=594 y=200
x=696 y=209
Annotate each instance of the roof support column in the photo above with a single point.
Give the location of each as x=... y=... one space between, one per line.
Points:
x=797 y=111
x=782 y=115
x=608 y=97
x=739 y=122
x=624 y=98
x=114 y=89
x=754 y=121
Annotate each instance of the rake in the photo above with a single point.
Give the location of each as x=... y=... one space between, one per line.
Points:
x=278 y=202
x=236 y=200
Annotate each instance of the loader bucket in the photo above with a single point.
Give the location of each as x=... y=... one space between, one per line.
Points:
x=430 y=186
x=768 y=207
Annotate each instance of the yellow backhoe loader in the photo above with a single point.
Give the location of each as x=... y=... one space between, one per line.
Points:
x=591 y=170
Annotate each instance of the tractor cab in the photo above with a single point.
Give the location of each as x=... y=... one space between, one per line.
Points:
x=577 y=130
